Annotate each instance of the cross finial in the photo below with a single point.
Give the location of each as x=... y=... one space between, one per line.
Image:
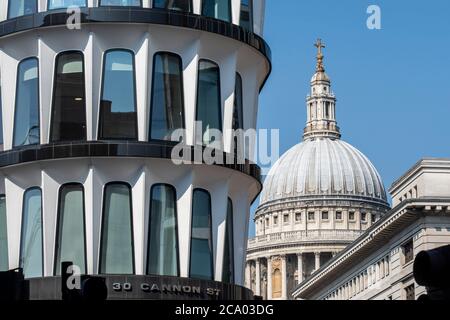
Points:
x=319 y=45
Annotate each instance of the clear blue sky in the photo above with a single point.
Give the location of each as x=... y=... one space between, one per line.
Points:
x=392 y=85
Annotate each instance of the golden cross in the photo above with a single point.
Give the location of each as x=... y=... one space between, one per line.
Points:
x=319 y=45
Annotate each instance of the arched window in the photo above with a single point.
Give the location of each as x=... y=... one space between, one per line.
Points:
x=4 y=265
x=17 y=8
x=116 y=248
x=121 y=3
x=118 y=117
x=31 y=245
x=70 y=239
x=167 y=112
x=163 y=233
x=218 y=9
x=209 y=110
x=26 y=119
x=60 y=4
x=69 y=103
x=246 y=17
x=201 y=266
x=228 y=259
x=178 y=5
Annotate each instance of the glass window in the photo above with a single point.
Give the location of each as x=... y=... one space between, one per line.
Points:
x=70 y=239
x=246 y=19
x=120 y=3
x=209 y=108
x=59 y=4
x=118 y=117
x=218 y=9
x=26 y=120
x=178 y=5
x=116 y=252
x=69 y=103
x=338 y=215
x=325 y=215
x=31 y=246
x=228 y=259
x=167 y=113
x=1 y=119
x=311 y=216
x=163 y=237
x=238 y=114
x=4 y=265
x=201 y=237
x=17 y=8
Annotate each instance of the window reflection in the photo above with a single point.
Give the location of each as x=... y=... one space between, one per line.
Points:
x=228 y=259
x=118 y=117
x=119 y=3
x=69 y=103
x=201 y=266
x=116 y=252
x=4 y=265
x=246 y=17
x=26 y=119
x=209 y=108
x=167 y=113
x=218 y=9
x=178 y=5
x=163 y=237
x=70 y=241
x=31 y=260
x=17 y=8
x=59 y=4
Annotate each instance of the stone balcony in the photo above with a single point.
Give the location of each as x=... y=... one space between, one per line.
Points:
x=303 y=236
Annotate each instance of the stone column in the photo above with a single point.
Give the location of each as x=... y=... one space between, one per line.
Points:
x=300 y=268
x=283 y=278
x=258 y=277
x=269 y=278
x=317 y=261
x=248 y=280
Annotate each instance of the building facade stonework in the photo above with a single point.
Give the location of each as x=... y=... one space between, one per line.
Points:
x=379 y=264
x=317 y=199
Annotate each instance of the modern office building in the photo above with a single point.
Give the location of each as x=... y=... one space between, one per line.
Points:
x=379 y=264
x=90 y=99
x=317 y=199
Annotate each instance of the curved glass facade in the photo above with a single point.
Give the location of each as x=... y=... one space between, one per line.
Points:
x=4 y=265
x=17 y=8
x=228 y=258
x=31 y=245
x=121 y=3
x=26 y=118
x=69 y=102
x=178 y=5
x=60 y=4
x=209 y=109
x=70 y=239
x=163 y=232
x=118 y=116
x=218 y=9
x=201 y=260
x=116 y=248
x=167 y=110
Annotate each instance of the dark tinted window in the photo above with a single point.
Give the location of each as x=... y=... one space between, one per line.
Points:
x=178 y=5
x=218 y=9
x=17 y=8
x=69 y=102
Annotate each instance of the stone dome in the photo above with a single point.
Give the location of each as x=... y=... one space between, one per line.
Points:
x=324 y=167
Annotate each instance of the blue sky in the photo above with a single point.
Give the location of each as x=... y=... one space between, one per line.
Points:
x=392 y=85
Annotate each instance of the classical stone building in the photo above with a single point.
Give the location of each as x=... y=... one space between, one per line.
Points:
x=317 y=199
x=379 y=264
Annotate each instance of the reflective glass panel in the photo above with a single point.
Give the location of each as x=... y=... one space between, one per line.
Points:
x=118 y=117
x=58 y=4
x=228 y=259
x=31 y=238
x=218 y=9
x=117 y=233
x=178 y=5
x=17 y=8
x=70 y=245
x=167 y=97
x=163 y=244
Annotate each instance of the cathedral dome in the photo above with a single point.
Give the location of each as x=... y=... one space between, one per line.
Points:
x=324 y=167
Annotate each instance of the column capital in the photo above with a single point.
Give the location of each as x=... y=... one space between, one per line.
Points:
x=317 y=253
x=299 y=254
